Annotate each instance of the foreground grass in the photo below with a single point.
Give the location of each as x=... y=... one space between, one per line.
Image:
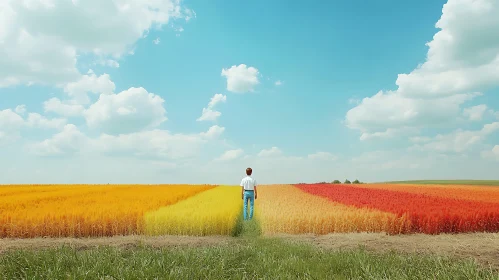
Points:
x=248 y=257
x=449 y=182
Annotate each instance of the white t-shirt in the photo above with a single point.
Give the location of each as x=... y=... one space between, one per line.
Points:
x=248 y=183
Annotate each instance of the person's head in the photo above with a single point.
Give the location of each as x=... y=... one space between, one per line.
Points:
x=249 y=171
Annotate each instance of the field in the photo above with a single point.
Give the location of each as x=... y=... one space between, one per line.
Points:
x=135 y=223
x=492 y=183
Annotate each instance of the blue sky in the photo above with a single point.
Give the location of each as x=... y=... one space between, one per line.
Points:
x=302 y=93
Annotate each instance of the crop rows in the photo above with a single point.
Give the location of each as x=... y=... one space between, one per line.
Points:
x=85 y=210
x=475 y=193
x=213 y=212
x=93 y=210
x=287 y=209
x=429 y=214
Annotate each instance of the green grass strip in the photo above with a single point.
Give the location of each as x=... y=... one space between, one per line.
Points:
x=253 y=258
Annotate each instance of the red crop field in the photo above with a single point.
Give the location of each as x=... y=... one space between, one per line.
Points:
x=426 y=213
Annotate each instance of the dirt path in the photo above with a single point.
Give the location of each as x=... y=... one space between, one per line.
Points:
x=484 y=247
x=115 y=241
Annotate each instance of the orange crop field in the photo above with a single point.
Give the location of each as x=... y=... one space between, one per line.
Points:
x=77 y=211
x=106 y=210
x=432 y=211
x=287 y=209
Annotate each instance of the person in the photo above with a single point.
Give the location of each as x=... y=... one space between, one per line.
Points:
x=248 y=192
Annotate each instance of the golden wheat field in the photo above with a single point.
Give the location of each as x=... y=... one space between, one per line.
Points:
x=287 y=209
x=212 y=212
x=107 y=210
x=56 y=211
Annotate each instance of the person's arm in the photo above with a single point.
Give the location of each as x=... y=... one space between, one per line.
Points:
x=242 y=190
x=255 y=190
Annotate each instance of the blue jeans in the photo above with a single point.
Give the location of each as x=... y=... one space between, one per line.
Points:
x=248 y=195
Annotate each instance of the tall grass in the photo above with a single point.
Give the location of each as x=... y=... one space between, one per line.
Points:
x=258 y=259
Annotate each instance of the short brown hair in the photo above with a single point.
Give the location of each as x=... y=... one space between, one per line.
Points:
x=249 y=171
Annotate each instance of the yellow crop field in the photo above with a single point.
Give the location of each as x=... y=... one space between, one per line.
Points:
x=287 y=209
x=78 y=211
x=105 y=210
x=216 y=211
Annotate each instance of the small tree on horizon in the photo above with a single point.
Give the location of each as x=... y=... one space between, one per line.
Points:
x=336 y=182
x=347 y=182
x=356 y=182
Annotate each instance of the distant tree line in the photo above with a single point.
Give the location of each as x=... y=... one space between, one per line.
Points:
x=348 y=182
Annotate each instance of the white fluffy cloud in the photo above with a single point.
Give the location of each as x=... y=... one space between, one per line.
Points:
x=385 y=112
x=463 y=58
x=11 y=123
x=213 y=132
x=129 y=111
x=10 y=120
x=77 y=92
x=151 y=144
x=90 y=83
x=475 y=113
x=208 y=113
x=67 y=109
x=37 y=120
x=274 y=151
x=36 y=48
x=458 y=141
x=230 y=155
x=241 y=79
x=217 y=98
x=388 y=133
x=21 y=109
x=492 y=154
x=67 y=142
x=495 y=150
x=107 y=62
